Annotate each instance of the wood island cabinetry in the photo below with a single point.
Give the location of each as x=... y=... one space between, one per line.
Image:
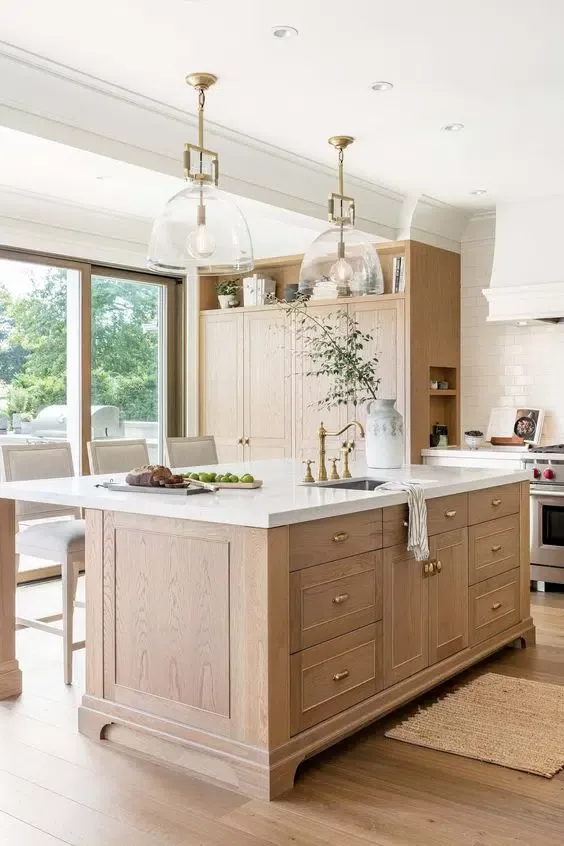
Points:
x=238 y=652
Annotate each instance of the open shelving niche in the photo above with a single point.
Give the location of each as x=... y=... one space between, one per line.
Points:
x=432 y=327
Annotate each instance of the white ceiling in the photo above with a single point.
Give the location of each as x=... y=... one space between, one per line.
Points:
x=495 y=65
x=48 y=169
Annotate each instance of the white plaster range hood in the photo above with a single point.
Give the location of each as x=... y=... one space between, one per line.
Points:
x=528 y=269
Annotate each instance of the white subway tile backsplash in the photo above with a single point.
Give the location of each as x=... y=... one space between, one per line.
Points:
x=504 y=364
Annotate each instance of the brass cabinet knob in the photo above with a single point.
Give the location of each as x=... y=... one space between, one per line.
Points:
x=247 y=441
x=497 y=548
x=438 y=566
x=405 y=524
x=340 y=598
x=340 y=676
x=496 y=502
x=340 y=537
x=426 y=568
x=496 y=605
x=241 y=441
x=450 y=514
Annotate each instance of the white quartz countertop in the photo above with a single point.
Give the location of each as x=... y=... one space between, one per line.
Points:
x=282 y=500
x=499 y=452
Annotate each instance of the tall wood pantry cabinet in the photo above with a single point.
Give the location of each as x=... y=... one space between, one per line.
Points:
x=256 y=397
x=246 y=383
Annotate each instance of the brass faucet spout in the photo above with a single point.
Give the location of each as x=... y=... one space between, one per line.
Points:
x=322 y=434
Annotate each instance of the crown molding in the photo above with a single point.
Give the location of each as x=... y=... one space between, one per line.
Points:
x=57 y=102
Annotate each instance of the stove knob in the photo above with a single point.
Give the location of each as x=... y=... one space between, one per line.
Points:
x=548 y=473
x=536 y=473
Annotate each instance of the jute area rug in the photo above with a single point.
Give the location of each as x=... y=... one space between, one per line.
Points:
x=513 y=722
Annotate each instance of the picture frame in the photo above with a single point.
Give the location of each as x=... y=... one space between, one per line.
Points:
x=508 y=427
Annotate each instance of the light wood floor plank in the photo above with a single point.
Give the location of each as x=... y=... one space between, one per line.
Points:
x=57 y=787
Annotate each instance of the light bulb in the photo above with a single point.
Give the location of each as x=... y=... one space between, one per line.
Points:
x=341 y=272
x=200 y=243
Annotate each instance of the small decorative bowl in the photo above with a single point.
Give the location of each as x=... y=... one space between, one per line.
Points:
x=474 y=439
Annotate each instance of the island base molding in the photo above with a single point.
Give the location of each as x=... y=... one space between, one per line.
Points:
x=256 y=772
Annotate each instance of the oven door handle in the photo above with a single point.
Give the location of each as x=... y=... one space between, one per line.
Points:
x=548 y=494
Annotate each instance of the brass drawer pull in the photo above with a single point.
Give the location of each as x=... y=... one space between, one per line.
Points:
x=340 y=676
x=241 y=441
x=497 y=548
x=496 y=605
x=438 y=566
x=429 y=568
x=247 y=441
x=450 y=514
x=340 y=537
x=342 y=597
x=405 y=524
x=496 y=502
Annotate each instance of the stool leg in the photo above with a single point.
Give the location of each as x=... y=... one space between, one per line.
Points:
x=69 y=588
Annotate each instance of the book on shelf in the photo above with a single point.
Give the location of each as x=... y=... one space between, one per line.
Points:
x=398 y=274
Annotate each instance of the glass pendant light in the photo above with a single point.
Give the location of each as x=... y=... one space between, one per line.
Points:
x=341 y=262
x=201 y=228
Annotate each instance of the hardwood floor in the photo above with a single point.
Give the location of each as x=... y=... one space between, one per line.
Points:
x=57 y=788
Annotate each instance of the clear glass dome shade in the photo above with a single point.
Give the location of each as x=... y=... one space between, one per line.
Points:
x=215 y=241
x=357 y=272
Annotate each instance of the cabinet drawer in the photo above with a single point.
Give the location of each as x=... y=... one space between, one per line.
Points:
x=494 y=548
x=493 y=606
x=447 y=513
x=331 y=599
x=394 y=525
x=334 y=537
x=334 y=676
x=493 y=503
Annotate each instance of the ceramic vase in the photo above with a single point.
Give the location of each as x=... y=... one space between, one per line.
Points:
x=384 y=435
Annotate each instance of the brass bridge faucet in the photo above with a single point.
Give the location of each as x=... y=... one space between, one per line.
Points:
x=322 y=434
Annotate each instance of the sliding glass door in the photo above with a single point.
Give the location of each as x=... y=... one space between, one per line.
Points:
x=40 y=352
x=134 y=357
x=88 y=352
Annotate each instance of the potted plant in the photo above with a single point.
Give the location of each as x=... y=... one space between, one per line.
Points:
x=335 y=349
x=227 y=293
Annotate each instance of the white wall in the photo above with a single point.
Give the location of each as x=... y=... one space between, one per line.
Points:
x=505 y=364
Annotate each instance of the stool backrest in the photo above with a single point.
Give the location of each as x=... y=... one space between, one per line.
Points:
x=119 y=456
x=191 y=452
x=22 y=462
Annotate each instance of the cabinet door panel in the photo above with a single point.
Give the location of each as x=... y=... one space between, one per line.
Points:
x=385 y=322
x=267 y=385
x=221 y=389
x=448 y=595
x=308 y=391
x=406 y=615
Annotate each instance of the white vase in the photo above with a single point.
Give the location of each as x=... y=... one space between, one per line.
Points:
x=384 y=435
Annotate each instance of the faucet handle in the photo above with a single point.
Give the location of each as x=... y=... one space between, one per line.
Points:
x=334 y=475
x=308 y=474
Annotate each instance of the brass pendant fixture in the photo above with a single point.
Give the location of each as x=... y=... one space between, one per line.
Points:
x=341 y=261
x=201 y=228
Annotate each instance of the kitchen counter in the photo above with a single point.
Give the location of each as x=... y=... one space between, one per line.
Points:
x=236 y=634
x=283 y=499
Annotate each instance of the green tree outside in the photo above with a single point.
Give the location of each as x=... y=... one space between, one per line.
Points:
x=124 y=346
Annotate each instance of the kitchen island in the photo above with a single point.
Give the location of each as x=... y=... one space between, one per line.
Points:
x=236 y=634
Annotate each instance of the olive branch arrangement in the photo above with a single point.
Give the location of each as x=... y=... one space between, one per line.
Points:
x=334 y=347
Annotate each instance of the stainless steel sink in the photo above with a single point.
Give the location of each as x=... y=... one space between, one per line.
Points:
x=364 y=484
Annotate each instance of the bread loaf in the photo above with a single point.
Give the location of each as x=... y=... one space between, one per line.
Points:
x=150 y=476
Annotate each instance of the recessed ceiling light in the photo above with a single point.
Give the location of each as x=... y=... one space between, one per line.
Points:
x=284 y=31
x=522 y=323
x=102 y=178
x=382 y=86
x=479 y=192
x=453 y=127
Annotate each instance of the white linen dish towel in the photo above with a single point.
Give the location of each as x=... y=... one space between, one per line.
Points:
x=417 y=536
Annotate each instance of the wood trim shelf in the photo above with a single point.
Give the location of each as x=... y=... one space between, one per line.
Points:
x=340 y=301
x=448 y=392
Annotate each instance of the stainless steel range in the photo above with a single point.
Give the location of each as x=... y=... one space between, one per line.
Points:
x=547 y=512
